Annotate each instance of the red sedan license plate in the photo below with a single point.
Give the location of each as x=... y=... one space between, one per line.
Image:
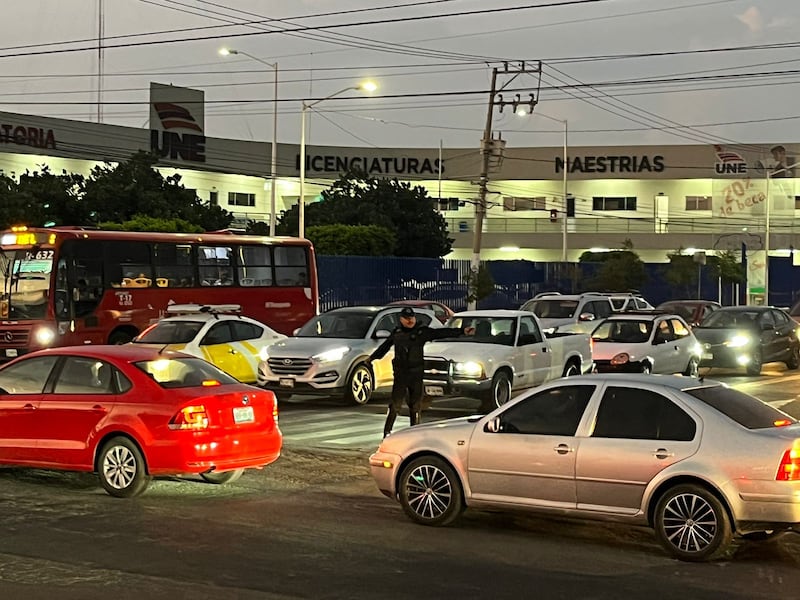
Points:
x=243 y=414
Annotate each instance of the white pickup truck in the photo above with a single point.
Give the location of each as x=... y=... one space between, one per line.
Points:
x=508 y=352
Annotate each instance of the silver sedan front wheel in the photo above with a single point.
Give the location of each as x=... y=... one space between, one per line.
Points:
x=430 y=491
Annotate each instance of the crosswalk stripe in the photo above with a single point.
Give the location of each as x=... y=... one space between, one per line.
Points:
x=327 y=427
x=361 y=429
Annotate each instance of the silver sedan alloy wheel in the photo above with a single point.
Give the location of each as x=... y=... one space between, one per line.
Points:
x=428 y=491
x=692 y=524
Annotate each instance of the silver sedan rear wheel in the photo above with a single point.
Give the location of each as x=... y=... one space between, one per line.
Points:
x=692 y=524
x=430 y=491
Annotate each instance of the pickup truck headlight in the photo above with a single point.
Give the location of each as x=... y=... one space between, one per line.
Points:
x=332 y=355
x=469 y=369
x=737 y=341
x=620 y=359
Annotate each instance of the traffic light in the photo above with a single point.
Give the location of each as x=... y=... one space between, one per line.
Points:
x=553 y=215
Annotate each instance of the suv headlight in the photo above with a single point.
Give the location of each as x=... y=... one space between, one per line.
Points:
x=263 y=354
x=333 y=355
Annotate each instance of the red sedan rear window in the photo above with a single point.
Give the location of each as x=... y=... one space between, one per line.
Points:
x=748 y=411
x=184 y=372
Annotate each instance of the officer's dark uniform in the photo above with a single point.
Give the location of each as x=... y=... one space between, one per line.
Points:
x=408 y=365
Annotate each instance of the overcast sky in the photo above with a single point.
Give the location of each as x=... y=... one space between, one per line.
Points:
x=437 y=70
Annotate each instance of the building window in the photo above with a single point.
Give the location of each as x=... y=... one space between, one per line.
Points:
x=698 y=202
x=614 y=203
x=797 y=202
x=443 y=204
x=516 y=203
x=241 y=199
x=213 y=198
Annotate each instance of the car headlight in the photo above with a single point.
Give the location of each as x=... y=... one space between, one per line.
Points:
x=45 y=336
x=620 y=359
x=263 y=354
x=469 y=368
x=331 y=355
x=737 y=341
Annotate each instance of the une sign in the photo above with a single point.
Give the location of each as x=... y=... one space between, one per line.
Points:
x=188 y=146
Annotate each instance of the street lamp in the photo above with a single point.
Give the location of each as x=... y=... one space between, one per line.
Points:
x=274 y=152
x=770 y=175
x=565 y=170
x=367 y=86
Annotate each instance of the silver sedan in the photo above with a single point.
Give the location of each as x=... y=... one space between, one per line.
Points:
x=695 y=460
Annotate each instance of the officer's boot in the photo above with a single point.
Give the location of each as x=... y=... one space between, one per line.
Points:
x=390 y=418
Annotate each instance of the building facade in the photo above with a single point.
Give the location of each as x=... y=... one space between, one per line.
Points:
x=699 y=198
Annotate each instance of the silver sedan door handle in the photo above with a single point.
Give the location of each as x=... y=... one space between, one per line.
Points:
x=663 y=453
x=563 y=449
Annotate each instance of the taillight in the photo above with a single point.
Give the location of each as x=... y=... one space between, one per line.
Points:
x=190 y=417
x=789 y=469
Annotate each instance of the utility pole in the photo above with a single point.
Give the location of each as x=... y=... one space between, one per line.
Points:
x=494 y=148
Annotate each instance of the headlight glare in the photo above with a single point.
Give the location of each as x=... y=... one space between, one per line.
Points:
x=45 y=336
x=471 y=368
x=331 y=355
x=738 y=341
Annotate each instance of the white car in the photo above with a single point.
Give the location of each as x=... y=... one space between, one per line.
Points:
x=326 y=356
x=216 y=333
x=640 y=343
x=507 y=353
x=569 y=313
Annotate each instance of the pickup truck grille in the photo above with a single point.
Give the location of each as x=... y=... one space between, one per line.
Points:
x=289 y=366
x=437 y=369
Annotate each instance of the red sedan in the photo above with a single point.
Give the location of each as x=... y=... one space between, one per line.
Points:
x=130 y=413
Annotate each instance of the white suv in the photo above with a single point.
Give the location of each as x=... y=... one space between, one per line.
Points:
x=569 y=313
x=326 y=356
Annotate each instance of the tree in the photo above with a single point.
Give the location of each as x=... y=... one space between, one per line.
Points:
x=117 y=193
x=682 y=272
x=621 y=270
x=352 y=240
x=480 y=284
x=148 y=223
x=42 y=198
x=359 y=199
x=728 y=267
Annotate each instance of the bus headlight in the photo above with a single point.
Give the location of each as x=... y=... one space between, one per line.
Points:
x=44 y=336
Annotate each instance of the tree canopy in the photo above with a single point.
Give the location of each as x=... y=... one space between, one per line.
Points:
x=112 y=193
x=359 y=199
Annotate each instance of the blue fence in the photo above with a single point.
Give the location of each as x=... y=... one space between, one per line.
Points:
x=355 y=280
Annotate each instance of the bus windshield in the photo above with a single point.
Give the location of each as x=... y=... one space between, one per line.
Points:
x=25 y=282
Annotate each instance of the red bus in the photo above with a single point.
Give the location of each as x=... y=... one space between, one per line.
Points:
x=70 y=285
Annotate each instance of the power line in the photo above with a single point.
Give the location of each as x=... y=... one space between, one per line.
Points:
x=407 y=19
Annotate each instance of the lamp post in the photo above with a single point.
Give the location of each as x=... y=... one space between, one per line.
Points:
x=565 y=170
x=274 y=152
x=770 y=175
x=367 y=86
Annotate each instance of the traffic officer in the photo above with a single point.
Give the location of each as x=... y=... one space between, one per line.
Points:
x=408 y=363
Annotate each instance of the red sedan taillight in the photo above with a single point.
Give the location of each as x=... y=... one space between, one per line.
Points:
x=789 y=469
x=190 y=417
